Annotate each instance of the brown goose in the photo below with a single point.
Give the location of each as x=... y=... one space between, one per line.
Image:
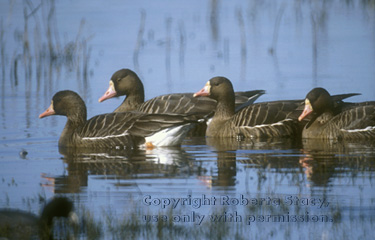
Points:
x=328 y=121
x=115 y=130
x=17 y=224
x=126 y=82
x=260 y=120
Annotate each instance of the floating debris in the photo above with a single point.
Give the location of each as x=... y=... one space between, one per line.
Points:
x=23 y=154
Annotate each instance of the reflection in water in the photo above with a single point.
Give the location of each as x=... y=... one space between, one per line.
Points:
x=168 y=47
x=326 y=160
x=120 y=165
x=253 y=144
x=318 y=170
x=38 y=57
x=338 y=147
x=214 y=21
x=139 y=42
x=226 y=162
x=243 y=51
x=318 y=16
x=182 y=47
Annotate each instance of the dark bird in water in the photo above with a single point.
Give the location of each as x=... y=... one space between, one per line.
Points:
x=17 y=224
x=329 y=120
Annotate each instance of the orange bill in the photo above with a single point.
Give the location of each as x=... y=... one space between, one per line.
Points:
x=204 y=92
x=50 y=111
x=306 y=111
x=110 y=93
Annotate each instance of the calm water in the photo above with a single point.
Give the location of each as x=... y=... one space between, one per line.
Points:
x=211 y=188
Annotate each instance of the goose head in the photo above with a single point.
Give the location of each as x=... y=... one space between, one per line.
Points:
x=66 y=103
x=124 y=82
x=317 y=101
x=218 y=88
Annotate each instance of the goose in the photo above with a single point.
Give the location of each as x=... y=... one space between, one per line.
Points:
x=17 y=224
x=116 y=130
x=259 y=120
x=329 y=121
x=273 y=119
x=126 y=82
